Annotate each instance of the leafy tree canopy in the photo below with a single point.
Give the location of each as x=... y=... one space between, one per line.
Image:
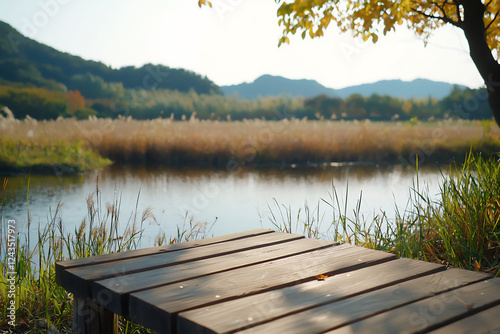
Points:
x=371 y=18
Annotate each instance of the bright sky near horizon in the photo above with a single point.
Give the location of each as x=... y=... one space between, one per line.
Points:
x=234 y=42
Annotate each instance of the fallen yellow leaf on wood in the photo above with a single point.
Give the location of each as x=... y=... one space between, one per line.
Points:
x=321 y=277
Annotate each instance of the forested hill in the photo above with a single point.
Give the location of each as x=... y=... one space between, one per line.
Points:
x=23 y=60
x=269 y=85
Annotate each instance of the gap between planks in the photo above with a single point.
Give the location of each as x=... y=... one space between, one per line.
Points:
x=166 y=302
x=78 y=280
x=119 y=288
x=265 y=307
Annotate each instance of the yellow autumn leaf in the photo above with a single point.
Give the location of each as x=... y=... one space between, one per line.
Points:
x=204 y=2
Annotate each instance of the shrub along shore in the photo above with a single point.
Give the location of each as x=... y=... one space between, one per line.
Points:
x=68 y=145
x=461 y=229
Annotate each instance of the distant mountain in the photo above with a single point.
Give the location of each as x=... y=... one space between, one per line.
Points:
x=418 y=88
x=268 y=85
x=24 y=61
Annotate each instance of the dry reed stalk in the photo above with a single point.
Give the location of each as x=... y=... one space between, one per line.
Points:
x=256 y=142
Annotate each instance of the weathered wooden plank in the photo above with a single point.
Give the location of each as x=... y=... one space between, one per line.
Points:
x=63 y=265
x=487 y=321
x=347 y=311
x=157 y=308
x=113 y=292
x=78 y=280
x=264 y=307
x=428 y=313
x=91 y=318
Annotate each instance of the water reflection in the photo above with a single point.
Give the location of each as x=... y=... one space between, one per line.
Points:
x=358 y=172
x=37 y=188
x=236 y=200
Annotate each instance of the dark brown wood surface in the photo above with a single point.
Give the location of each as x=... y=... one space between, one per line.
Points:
x=486 y=321
x=211 y=289
x=265 y=307
x=435 y=311
x=90 y=318
x=78 y=279
x=345 y=312
x=120 y=288
x=267 y=282
x=166 y=248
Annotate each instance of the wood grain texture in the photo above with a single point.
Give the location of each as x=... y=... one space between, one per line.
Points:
x=91 y=318
x=487 y=321
x=267 y=282
x=432 y=312
x=172 y=299
x=78 y=280
x=347 y=311
x=117 y=289
x=264 y=307
x=61 y=266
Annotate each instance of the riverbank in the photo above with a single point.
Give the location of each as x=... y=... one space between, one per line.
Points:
x=460 y=229
x=76 y=146
x=47 y=157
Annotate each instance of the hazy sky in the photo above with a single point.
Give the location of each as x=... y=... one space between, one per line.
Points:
x=234 y=42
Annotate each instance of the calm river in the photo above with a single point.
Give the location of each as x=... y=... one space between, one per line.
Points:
x=226 y=202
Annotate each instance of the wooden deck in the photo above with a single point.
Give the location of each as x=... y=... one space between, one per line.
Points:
x=267 y=282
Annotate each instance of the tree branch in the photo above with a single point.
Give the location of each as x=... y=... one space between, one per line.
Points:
x=442 y=18
x=446 y=18
x=441 y=8
x=457 y=6
x=494 y=18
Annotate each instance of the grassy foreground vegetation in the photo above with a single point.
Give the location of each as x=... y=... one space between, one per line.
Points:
x=460 y=229
x=249 y=142
x=41 y=303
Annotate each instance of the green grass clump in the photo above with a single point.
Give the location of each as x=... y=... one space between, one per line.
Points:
x=465 y=227
x=51 y=157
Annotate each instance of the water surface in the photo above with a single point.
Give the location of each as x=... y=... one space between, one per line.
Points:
x=226 y=201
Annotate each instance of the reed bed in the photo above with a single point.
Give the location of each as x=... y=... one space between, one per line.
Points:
x=257 y=142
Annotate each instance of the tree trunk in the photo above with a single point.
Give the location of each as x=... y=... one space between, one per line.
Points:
x=488 y=67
